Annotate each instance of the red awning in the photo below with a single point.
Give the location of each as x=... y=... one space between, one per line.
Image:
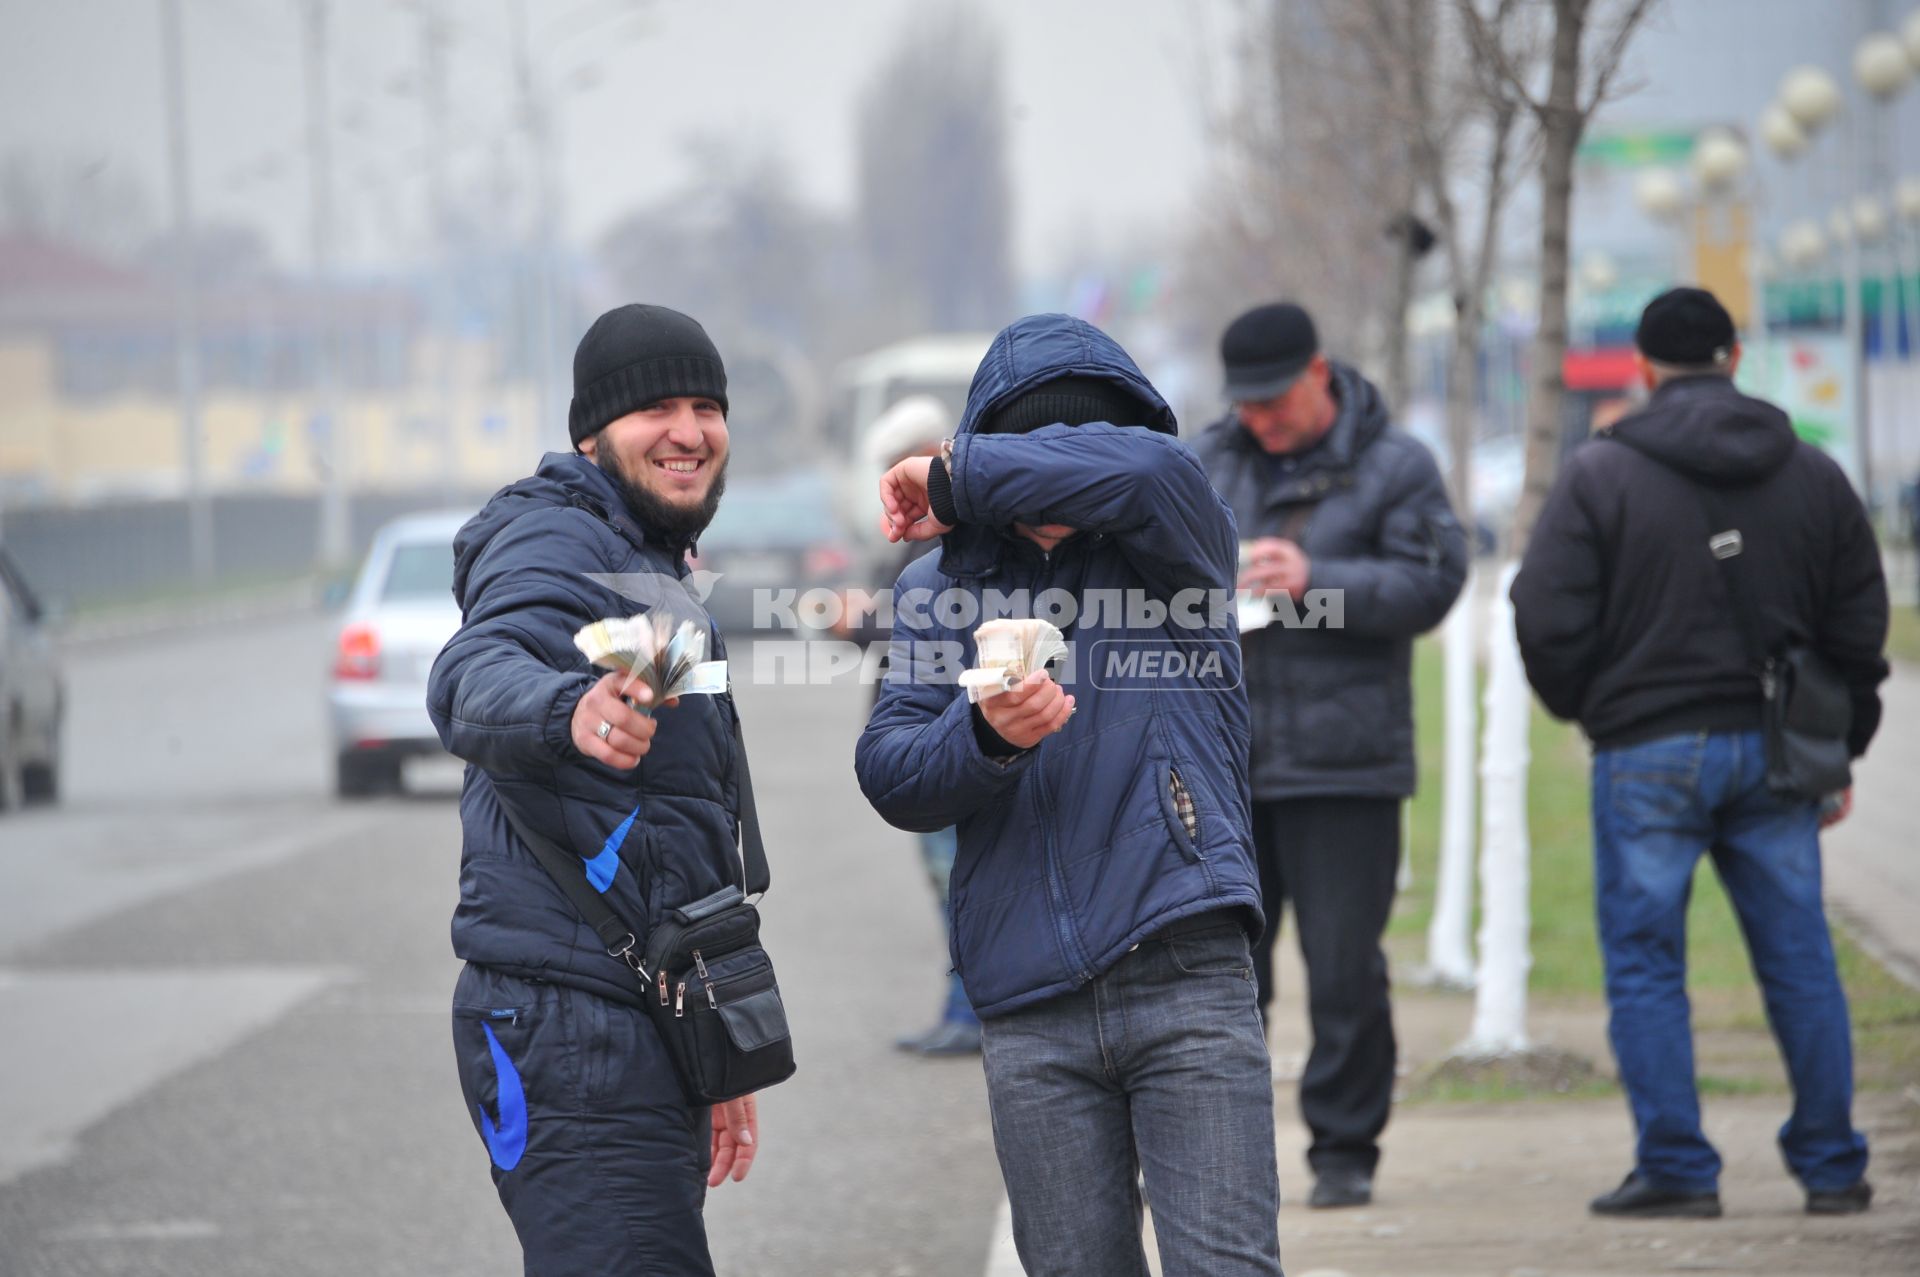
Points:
x=1609 y=369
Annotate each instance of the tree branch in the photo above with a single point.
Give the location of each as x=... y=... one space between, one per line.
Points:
x=1608 y=64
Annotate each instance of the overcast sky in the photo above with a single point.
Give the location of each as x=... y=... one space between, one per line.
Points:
x=1109 y=101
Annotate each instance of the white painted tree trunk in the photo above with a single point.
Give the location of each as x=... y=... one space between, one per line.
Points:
x=1500 y=995
x=1449 y=951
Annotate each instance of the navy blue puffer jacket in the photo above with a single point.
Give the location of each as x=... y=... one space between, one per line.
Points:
x=1075 y=850
x=502 y=696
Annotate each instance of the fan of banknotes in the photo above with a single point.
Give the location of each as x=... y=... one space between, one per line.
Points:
x=1008 y=651
x=671 y=660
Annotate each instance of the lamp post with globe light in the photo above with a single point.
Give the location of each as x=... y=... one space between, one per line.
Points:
x=1883 y=65
x=1813 y=99
x=1717 y=250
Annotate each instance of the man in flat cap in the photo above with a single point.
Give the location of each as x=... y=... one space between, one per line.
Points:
x=1333 y=502
x=1682 y=552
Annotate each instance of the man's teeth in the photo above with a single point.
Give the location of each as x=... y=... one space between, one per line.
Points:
x=679 y=467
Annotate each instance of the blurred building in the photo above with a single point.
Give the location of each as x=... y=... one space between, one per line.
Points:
x=90 y=408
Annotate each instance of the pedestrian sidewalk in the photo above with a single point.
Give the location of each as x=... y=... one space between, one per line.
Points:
x=1872 y=869
x=1501 y=1189
x=1477 y=1189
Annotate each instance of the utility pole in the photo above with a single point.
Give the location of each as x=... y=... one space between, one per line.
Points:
x=186 y=316
x=433 y=48
x=535 y=113
x=335 y=526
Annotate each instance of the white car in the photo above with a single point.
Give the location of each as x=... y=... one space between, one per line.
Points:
x=399 y=615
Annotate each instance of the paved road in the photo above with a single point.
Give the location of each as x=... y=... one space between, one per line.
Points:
x=225 y=999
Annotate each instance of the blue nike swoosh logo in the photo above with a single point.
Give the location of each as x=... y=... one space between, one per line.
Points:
x=508 y=1140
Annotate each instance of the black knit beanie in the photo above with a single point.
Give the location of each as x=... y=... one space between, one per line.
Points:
x=1072 y=401
x=636 y=355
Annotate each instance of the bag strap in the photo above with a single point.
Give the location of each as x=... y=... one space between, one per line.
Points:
x=564 y=867
x=1726 y=544
x=753 y=852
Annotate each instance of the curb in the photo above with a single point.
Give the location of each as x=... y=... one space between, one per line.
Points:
x=167 y=618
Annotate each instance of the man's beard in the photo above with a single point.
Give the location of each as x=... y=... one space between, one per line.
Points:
x=676 y=522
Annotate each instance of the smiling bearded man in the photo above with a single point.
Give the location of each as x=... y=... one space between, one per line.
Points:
x=599 y=1158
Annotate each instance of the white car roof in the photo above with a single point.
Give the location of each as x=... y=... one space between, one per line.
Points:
x=436 y=525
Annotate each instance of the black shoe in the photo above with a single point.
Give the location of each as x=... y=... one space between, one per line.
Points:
x=1850 y=1200
x=1637 y=1198
x=1334 y=1189
x=949 y=1037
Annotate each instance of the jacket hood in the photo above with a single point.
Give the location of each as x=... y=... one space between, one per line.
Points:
x=1705 y=428
x=562 y=479
x=1026 y=353
x=1042 y=347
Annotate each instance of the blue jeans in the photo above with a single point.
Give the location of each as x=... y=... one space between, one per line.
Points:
x=937 y=850
x=1656 y=807
x=1158 y=1066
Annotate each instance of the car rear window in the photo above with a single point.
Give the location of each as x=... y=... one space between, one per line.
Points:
x=419 y=570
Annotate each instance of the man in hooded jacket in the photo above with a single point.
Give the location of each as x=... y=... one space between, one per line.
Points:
x=1626 y=622
x=1103 y=893
x=1347 y=514
x=600 y=1161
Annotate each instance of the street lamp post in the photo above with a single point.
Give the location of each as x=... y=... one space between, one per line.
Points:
x=1814 y=99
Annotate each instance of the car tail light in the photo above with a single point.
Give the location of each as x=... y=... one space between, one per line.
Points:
x=826 y=560
x=359 y=655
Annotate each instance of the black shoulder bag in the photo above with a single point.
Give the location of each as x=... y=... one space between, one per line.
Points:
x=710 y=987
x=1806 y=707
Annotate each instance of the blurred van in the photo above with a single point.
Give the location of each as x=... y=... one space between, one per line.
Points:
x=937 y=364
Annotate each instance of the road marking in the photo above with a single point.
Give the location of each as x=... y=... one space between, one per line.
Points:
x=85 y=870
x=1003 y=1259
x=102 y=1038
x=139 y=1230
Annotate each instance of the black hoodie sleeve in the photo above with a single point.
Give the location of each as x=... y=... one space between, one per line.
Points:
x=1557 y=599
x=1851 y=630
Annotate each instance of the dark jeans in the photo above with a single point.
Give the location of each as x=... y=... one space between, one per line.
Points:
x=937 y=851
x=1336 y=860
x=1156 y=1067
x=1656 y=808
x=597 y=1156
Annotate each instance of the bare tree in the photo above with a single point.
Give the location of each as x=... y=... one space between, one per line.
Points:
x=1464 y=143
x=1311 y=172
x=935 y=207
x=1579 y=80
x=1460 y=123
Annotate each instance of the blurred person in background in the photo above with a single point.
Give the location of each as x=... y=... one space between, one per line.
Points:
x=1332 y=497
x=914 y=427
x=600 y=1161
x=1104 y=892
x=1628 y=623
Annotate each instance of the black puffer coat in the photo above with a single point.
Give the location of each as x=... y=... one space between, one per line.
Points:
x=502 y=695
x=1333 y=708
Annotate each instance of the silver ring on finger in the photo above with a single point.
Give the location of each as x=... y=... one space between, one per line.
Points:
x=604 y=730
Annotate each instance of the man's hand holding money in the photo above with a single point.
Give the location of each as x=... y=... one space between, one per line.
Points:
x=1029 y=712
x=608 y=729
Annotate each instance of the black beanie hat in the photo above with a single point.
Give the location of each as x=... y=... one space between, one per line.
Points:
x=636 y=355
x=1072 y=401
x=1687 y=328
